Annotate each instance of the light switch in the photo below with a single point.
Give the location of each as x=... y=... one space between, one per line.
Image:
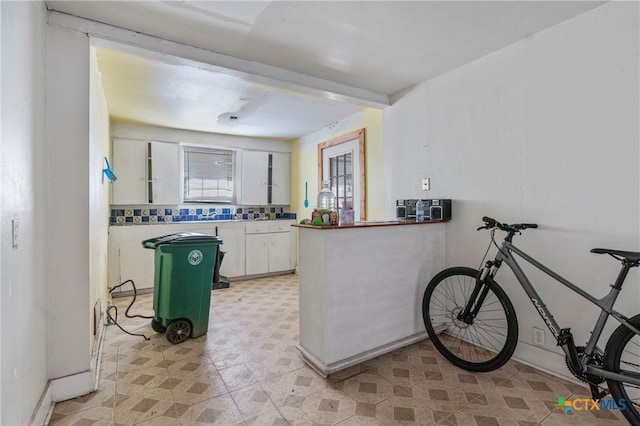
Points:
x=426 y=184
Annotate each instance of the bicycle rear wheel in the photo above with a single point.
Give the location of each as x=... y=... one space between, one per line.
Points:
x=622 y=355
x=486 y=342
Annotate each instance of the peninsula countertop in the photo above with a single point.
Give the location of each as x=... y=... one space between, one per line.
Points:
x=361 y=287
x=367 y=224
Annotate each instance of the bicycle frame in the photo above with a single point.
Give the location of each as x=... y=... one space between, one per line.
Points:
x=563 y=336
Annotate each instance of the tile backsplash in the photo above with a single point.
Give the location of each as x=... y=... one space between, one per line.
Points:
x=143 y=215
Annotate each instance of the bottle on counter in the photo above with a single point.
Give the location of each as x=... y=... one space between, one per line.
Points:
x=419 y=211
x=327 y=205
x=326 y=198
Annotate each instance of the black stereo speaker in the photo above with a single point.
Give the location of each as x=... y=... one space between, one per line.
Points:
x=434 y=209
x=438 y=209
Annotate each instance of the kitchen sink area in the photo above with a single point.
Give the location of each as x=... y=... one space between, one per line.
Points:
x=257 y=241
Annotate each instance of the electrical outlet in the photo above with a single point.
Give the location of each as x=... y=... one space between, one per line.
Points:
x=538 y=336
x=426 y=184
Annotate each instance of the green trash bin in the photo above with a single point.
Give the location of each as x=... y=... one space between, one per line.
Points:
x=184 y=265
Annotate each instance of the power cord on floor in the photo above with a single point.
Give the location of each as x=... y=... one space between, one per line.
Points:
x=126 y=313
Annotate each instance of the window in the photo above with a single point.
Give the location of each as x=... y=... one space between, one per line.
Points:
x=341 y=179
x=208 y=175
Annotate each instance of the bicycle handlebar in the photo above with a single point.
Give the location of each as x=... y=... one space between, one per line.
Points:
x=490 y=223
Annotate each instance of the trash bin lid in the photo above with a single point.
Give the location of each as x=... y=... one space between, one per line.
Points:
x=181 y=238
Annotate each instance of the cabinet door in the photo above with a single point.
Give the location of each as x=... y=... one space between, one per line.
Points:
x=281 y=178
x=129 y=163
x=165 y=173
x=254 y=174
x=137 y=264
x=279 y=252
x=257 y=254
x=233 y=245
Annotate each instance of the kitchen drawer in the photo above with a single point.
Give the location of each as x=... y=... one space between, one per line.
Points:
x=257 y=228
x=279 y=226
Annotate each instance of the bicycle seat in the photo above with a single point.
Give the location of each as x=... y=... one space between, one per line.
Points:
x=631 y=256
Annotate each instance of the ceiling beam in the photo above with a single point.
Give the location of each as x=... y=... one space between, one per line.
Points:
x=127 y=41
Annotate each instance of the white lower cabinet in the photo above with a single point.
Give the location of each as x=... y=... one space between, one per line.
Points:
x=269 y=247
x=279 y=252
x=128 y=259
x=257 y=260
x=233 y=245
x=251 y=248
x=137 y=264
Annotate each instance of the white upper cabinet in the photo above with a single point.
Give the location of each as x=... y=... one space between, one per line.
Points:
x=280 y=178
x=254 y=175
x=148 y=172
x=265 y=178
x=165 y=173
x=130 y=166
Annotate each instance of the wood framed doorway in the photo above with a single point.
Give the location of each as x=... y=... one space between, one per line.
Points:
x=345 y=148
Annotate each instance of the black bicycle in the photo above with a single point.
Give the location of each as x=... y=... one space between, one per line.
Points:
x=471 y=321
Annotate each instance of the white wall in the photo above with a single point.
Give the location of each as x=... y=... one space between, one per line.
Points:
x=546 y=131
x=68 y=211
x=23 y=289
x=99 y=190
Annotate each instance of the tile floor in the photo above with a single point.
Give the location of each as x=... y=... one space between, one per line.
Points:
x=247 y=371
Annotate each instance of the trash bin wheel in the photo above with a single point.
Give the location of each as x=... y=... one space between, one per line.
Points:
x=157 y=327
x=178 y=331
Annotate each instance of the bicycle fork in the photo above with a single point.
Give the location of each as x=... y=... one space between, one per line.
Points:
x=478 y=295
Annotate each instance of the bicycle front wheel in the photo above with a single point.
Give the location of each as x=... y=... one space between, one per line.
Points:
x=483 y=343
x=622 y=355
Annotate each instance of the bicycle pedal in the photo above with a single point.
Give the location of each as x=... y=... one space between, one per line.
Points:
x=597 y=394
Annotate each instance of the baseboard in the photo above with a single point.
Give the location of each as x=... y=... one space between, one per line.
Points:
x=326 y=369
x=128 y=293
x=266 y=275
x=71 y=386
x=43 y=410
x=96 y=360
x=68 y=387
x=541 y=358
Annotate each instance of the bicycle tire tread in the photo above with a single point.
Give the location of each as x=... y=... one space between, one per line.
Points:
x=511 y=341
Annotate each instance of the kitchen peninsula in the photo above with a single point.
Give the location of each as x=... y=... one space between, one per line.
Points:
x=361 y=288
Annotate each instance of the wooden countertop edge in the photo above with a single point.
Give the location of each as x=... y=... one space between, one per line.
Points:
x=368 y=224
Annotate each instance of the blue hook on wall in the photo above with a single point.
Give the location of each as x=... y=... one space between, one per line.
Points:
x=108 y=172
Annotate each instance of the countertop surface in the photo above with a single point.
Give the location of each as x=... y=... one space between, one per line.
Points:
x=368 y=224
x=196 y=222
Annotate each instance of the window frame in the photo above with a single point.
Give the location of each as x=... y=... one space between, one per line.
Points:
x=185 y=149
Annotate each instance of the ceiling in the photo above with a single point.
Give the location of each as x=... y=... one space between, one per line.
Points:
x=377 y=48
